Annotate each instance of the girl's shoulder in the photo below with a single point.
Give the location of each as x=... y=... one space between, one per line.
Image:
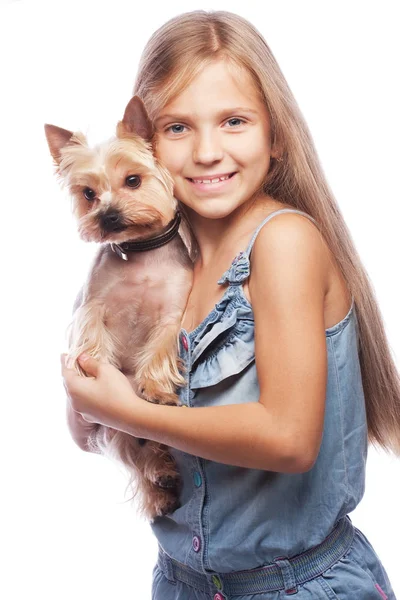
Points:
x=286 y=229
x=288 y=221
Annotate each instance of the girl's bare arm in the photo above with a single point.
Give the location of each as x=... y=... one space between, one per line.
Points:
x=79 y=428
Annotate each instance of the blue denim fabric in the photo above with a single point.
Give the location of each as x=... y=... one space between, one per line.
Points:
x=233 y=518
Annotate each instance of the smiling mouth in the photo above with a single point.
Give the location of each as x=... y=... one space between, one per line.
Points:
x=219 y=181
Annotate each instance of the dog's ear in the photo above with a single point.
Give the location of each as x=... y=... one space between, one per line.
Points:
x=135 y=120
x=57 y=138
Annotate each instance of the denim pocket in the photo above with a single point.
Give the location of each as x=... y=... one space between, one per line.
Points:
x=348 y=579
x=382 y=593
x=326 y=588
x=364 y=555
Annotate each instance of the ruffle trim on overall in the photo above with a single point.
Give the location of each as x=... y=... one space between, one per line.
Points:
x=223 y=344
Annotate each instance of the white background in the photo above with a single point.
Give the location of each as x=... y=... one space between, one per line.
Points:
x=66 y=532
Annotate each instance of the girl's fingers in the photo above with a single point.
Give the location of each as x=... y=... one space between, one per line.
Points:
x=90 y=364
x=65 y=371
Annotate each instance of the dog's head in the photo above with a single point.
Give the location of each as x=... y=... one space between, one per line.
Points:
x=120 y=191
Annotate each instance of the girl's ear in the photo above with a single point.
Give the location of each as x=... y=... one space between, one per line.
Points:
x=277 y=151
x=277 y=147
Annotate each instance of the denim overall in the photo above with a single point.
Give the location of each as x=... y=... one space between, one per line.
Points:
x=249 y=534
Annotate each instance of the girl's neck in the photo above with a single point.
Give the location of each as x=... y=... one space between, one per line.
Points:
x=230 y=235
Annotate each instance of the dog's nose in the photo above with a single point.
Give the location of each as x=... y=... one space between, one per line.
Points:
x=112 y=221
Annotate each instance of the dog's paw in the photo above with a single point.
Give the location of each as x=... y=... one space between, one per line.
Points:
x=158 y=394
x=159 y=401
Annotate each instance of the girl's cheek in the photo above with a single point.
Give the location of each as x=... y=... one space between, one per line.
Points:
x=173 y=158
x=162 y=151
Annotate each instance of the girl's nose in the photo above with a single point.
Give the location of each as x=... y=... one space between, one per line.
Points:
x=207 y=148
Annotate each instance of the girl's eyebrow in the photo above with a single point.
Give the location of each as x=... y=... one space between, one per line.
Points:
x=220 y=114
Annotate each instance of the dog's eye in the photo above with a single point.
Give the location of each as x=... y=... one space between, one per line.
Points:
x=88 y=193
x=133 y=181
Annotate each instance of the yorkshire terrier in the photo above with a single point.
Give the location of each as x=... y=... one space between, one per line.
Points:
x=129 y=311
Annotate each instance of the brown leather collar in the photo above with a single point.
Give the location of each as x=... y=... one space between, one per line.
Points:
x=150 y=243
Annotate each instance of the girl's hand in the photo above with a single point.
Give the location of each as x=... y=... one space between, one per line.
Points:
x=105 y=397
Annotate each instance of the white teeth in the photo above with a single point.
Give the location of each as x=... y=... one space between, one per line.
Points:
x=212 y=180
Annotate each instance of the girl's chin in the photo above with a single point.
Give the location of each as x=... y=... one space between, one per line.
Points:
x=209 y=210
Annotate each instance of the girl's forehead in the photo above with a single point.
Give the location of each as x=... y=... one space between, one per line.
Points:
x=223 y=85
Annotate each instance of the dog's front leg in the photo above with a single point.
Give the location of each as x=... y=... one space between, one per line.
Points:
x=159 y=370
x=88 y=333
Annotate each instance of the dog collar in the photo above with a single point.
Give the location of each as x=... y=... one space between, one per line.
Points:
x=150 y=243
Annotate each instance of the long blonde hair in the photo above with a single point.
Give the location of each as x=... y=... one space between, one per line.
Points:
x=173 y=56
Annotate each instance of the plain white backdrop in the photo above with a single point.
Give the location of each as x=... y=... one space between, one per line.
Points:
x=66 y=531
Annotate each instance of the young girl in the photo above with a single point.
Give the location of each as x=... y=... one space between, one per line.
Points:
x=289 y=371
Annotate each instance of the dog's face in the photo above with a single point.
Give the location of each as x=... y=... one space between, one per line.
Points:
x=120 y=191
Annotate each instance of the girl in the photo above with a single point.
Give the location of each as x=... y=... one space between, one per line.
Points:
x=289 y=372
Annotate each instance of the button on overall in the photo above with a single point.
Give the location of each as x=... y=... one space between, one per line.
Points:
x=184 y=342
x=196 y=542
x=197 y=479
x=217 y=582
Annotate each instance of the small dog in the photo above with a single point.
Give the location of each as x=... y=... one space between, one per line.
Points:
x=129 y=311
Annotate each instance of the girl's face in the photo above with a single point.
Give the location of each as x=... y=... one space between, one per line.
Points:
x=216 y=126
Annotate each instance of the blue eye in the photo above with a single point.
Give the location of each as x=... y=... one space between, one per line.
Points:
x=176 y=125
x=236 y=119
x=180 y=125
